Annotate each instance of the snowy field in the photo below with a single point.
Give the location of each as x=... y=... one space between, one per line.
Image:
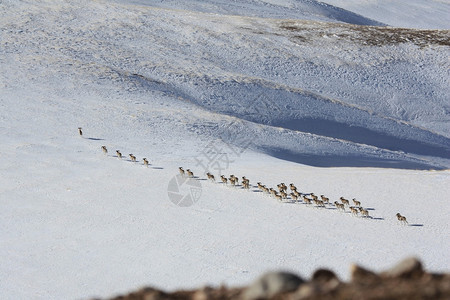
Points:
x=278 y=91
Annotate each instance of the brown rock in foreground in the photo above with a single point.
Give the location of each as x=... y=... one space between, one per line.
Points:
x=407 y=280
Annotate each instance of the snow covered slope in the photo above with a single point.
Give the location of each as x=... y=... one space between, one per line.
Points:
x=369 y=88
x=338 y=109
x=284 y=9
x=425 y=14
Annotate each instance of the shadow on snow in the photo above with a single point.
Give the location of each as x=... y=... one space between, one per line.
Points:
x=366 y=136
x=346 y=161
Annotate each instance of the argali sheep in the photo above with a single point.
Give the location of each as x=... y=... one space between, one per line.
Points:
x=306 y=200
x=190 y=173
x=283 y=194
x=181 y=170
x=260 y=186
x=145 y=161
x=344 y=201
x=278 y=197
x=119 y=155
x=80 y=132
x=294 y=196
x=325 y=199
x=318 y=203
x=224 y=179
x=364 y=212
x=401 y=218
x=354 y=210
x=104 y=150
x=211 y=177
x=246 y=183
x=292 y=187
x=356 y=202
x=132 y=157
x=314 y=196
x=273 y=192
x=282 y=187
x=233 y=180
x=339 y=206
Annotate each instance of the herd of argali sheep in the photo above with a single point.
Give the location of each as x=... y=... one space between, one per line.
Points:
x=280 y=193
x=290 y=193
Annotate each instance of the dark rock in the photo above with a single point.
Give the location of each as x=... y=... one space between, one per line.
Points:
x=407 y=268
x=306 y=291
x=405 y=281
x=361 y=275
x=203 y=294
x=271 y=284
x=324 y=276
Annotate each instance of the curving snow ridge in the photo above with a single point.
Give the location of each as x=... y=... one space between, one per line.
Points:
x=285 y=9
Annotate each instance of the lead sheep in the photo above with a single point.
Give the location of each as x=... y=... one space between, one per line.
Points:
x=401 y=218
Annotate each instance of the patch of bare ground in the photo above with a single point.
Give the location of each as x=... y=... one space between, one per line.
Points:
x=303 y=32
x=406 y=280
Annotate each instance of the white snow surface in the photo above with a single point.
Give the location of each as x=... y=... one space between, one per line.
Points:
x=424 y=14
x=278 y=91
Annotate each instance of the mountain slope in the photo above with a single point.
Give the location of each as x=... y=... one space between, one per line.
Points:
x=424 y=14
x=286 y=9
x=372 y=83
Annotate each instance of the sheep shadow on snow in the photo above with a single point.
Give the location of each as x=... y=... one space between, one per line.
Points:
x=94 y=139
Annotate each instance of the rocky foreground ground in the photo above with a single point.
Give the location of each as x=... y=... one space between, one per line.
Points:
x=407 y=280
